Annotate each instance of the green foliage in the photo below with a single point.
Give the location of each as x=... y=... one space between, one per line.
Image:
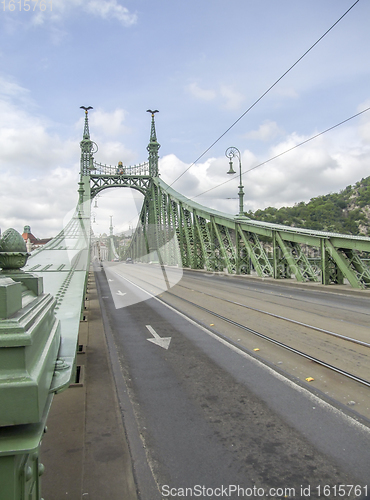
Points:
x=342 y=212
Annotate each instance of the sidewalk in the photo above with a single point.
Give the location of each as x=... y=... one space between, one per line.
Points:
x=84 y=451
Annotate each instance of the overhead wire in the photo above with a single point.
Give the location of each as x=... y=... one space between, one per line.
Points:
x=266 y=92
x=284 y=152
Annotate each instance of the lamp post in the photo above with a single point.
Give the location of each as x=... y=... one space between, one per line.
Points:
x=231 y=153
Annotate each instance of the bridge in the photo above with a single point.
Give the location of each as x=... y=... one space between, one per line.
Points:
x=42 y=305
x=216 y=241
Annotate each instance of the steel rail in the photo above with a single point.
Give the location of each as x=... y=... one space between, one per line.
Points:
x=276 y=342
x=254 y=332
x=321 y=330
x=237 y=285
x=277 y=316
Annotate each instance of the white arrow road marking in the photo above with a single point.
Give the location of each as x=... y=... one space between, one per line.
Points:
x=120 y=293
x=161 y=341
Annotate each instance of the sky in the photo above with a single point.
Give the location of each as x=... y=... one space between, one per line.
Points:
x=202 y=64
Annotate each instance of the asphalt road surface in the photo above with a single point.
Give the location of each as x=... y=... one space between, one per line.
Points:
x=207 y=419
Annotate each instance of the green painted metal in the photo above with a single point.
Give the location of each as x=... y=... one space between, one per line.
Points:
x=39 y=322
x=224 y=248
x=185 y=237
x=30 y=339
x=205 y=241
x=349 y=266
x=39 y=333
x=255 y=253
x=153 y=148
x=112 y=252
x=216 y=241
x=290 y=259
x=20 y=468
x=232 y=153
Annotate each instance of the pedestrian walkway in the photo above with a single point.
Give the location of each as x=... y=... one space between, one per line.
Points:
x=84 y=450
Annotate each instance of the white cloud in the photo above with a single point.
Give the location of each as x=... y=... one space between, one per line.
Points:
x=233 y=99
x=10 y=89
x=286 y=92
x=103 y=9
x=26 y=143
x=327 y=164
x=112 y=152
x=109 y=124
x=201 y=94
x=106 y=127
x=314 y=169
x=39 y=168
x=110 y=9
x=364 y=127
x=226 y=95
x=267 y=131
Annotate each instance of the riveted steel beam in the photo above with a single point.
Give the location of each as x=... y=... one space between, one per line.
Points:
x=256 y=253
x=349 y=264
x=216 y=241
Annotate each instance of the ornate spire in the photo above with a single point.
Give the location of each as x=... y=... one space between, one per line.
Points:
x=86 y=128
x=86 y=145
x=153 y=147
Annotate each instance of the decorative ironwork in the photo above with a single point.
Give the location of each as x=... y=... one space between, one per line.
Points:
x=153 y=147
x=88 y=147
x=13 y=252
x=215 y=241
x=120 y=169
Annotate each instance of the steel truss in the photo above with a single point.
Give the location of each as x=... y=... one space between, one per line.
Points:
x=219 y=242
x=174 y=230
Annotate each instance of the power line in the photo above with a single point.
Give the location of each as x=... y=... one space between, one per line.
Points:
x=284 y=152
x=266 y=92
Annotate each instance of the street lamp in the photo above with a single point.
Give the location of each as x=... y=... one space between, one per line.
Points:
x=231 y=153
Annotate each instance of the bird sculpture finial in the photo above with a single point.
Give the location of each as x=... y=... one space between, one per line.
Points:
x=152 y=112
x=86 y=108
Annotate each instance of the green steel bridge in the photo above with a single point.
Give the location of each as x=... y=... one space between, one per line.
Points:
x=42 y=305
x=216 y=241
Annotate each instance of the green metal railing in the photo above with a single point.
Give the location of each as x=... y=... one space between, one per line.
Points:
x=216 y=241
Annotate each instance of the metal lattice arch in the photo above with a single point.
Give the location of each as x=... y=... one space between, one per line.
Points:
x=216 y=241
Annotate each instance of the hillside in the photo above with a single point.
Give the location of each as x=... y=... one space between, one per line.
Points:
x=346 y=212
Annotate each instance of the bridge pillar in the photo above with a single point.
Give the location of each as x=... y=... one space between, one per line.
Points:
x=29 y=345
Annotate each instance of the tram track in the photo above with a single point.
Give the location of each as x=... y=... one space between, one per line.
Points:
x=159 y=292
x=276 y=342
x=289 y=320
x=267 y=294
x=246 y=401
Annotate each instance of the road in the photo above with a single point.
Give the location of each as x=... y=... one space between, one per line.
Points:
x=209 y=416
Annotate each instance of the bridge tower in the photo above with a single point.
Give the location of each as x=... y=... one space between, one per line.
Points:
x=112 y=252
x=88 y=148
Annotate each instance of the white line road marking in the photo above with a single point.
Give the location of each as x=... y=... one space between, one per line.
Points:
x=316 y=399
x=161 y=341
